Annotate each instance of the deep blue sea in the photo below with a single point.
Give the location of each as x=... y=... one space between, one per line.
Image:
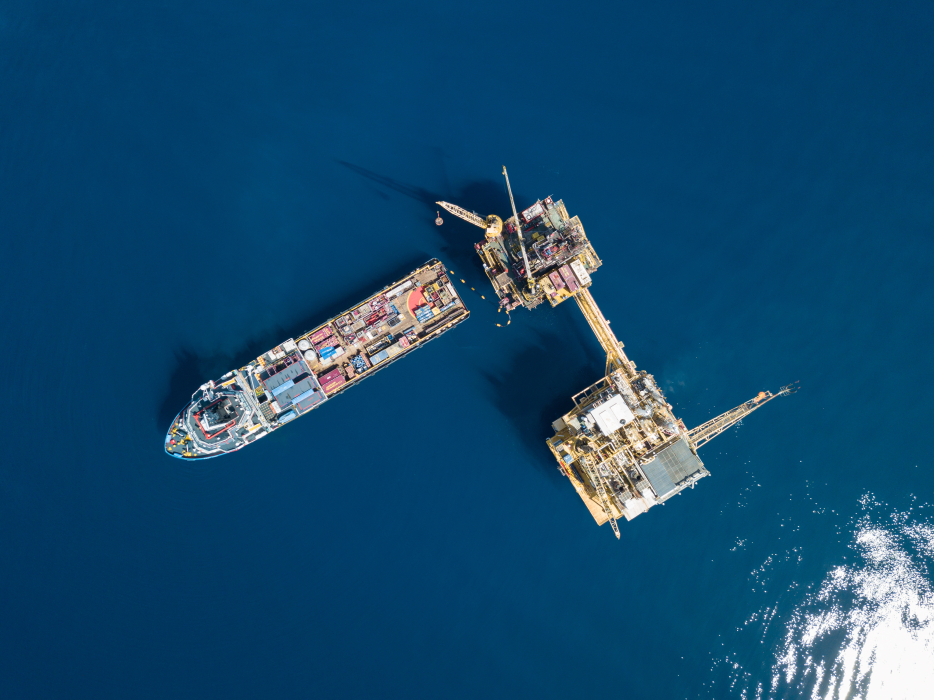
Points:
x=184 y=185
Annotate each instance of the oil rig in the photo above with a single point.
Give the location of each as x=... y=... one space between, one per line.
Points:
x=621 y=446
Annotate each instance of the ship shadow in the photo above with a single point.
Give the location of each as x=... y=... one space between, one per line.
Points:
x=191 y=369
x=485 y=196
x=533 y=387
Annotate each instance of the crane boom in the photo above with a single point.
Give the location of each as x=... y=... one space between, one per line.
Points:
x=706 y=432
x=460 y=213
x=525 y=258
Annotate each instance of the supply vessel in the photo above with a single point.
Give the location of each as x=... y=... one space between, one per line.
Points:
x=621 y=446
x=300 y=374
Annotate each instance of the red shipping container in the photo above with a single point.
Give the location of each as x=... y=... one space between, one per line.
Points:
x=331 y=381
x=321 y=334
x=569 y=278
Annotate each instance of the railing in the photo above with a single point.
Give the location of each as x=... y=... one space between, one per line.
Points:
x=615 y=357
x=597 y=480
x=706 y=432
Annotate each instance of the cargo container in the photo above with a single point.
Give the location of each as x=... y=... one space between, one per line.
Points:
x=300 y=374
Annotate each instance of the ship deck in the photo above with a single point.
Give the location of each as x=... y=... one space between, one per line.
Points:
x=399 y=319
x=300 y=374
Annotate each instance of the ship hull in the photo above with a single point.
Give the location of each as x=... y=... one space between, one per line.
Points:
x=303 y=373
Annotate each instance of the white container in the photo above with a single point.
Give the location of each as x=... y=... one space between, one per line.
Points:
x=396 y=291
x=580 y=273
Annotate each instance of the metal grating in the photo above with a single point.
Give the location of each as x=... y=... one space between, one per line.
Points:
x=671 y=467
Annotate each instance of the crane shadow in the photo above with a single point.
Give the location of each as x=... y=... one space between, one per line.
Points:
x=486 y=196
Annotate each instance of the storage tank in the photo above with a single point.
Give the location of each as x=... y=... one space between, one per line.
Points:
x=310 y=356
x=303 y=345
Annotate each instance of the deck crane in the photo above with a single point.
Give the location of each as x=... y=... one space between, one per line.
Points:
x=492 y=224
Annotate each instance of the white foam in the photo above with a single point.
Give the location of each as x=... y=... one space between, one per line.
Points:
x=867 y=633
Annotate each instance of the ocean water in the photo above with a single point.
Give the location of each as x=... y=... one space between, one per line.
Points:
x=182 y=186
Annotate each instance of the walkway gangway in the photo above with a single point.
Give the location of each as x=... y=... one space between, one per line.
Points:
x=615 y=357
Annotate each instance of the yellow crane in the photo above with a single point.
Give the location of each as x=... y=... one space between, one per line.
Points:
x=492 y=224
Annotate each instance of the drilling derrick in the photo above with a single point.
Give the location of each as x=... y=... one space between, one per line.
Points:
x=538 y=254
x=621 y=446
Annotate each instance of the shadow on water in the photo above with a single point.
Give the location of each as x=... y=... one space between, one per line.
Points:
x=533 y=380
x=482 y=196
x=533 y=386
x=191 y=370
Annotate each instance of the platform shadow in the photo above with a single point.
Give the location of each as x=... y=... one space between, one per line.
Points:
x=533 y=386
x=486 y=196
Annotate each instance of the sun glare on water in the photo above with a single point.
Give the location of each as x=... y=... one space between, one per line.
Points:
x=867 y=631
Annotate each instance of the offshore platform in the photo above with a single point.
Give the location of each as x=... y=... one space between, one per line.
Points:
x=621 y=446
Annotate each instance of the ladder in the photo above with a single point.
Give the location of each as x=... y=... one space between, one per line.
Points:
x=597 y=480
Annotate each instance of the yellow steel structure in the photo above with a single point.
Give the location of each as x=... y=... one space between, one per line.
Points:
x=493 y=225
x=706 y=432
x=620 y=472
x=615 y=357
x=621 y=446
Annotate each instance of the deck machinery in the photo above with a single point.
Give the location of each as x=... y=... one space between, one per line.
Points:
x=539 y=254
x=621 y=446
